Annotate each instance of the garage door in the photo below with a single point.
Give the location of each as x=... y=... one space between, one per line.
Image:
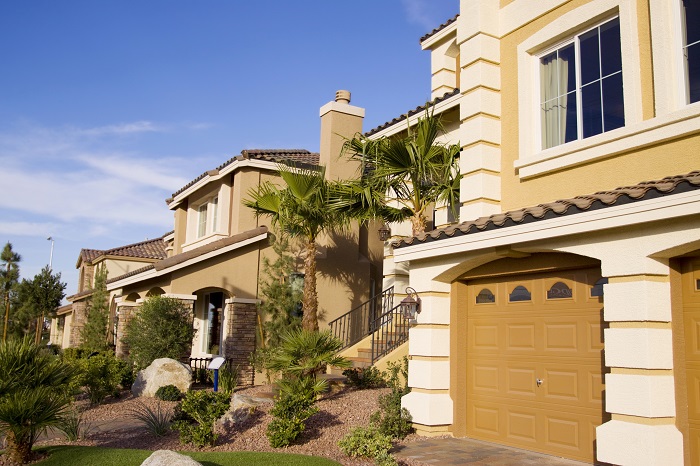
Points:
x=534 y=361
x=691 y=322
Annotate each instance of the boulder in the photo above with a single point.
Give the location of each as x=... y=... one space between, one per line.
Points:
x=169 y=458
x=162 y=372
x=241 y=407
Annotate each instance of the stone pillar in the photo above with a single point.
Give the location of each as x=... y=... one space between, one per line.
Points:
x=239 y=339
x=77 y=323
x=125 y=312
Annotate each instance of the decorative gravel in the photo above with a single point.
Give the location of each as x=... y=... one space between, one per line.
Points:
x=339 y=412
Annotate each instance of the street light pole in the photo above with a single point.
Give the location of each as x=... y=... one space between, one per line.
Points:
x=50 y=238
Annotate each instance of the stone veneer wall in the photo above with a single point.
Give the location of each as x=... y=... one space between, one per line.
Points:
x=126 y=313
x=239 y=339
x=77 y=324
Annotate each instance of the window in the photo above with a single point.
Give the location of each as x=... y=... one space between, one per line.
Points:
x=519 y=293
x=208 y=216
x=581 y=92
x=213 y=320
x=691 y=48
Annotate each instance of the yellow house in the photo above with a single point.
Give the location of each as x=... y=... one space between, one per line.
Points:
x=212 y=259
x=561 y=315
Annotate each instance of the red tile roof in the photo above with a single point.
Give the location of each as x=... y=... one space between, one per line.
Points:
x=439 y=28
x=600 y=200
x=149 y=249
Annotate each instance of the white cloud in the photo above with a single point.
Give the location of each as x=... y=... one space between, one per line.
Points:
x=123 y=129
x=28 y=228
x=418 y=12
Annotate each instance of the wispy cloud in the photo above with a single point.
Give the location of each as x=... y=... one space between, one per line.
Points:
x=28 y=228
x=418 y=12
x=124 y=129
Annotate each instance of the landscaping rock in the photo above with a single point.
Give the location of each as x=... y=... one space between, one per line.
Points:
x=169 y=458
x=162 y=372
x=242 y=406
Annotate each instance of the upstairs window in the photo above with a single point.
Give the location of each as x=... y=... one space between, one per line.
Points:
x=691 y=48
x=581 y=91
x=207 y=217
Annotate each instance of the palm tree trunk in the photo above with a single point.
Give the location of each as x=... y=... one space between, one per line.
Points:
x=418 y=224
x=309 y=320
x=18 y=450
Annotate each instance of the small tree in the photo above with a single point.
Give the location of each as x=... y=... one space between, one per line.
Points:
x=94 y=333
x=37 y=299
x=9 y=276
x=162 y=328
x=33 y=397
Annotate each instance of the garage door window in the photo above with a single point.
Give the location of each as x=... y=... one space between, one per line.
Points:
x=597 y=289
x=560 y=291
x=519 y=293
x=485 y=297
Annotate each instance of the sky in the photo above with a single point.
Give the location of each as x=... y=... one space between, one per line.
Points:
x=108 y=107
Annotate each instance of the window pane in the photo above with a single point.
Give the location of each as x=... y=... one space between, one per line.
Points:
x=570 y=112
x=202 y=223
x=520 y=293
x=550 y=124
x=613 y=103
x=591 y=110
x=611 y=57
x=567 y=69
x=692 y=21
x=215 y=213
x=590 y=60
x=694 y=72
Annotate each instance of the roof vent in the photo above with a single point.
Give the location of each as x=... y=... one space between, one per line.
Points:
x=342 y=97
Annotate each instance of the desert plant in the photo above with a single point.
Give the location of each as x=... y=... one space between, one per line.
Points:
x=169 y=393
x=95 y=330
x=228 y=378
x=260 y=360
x=368 y=442
x=203 y=408
x=100 y=375
x=291 y=410
x=392 y=419
x=162 y=328
x=73 y=425
x=157 y=422
x=32 y=395
x=367 y=377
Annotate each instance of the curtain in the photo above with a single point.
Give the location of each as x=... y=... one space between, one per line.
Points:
x=554 y=73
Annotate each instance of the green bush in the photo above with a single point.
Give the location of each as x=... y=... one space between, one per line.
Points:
x=157 y=421
x=162 y=328
x=367 y=442
x=169 y=393
x=73 y=425
x=204 y=408
x=369 y=377
x=100 y=375
x=392 y=419
x=228 y=378
x=291 y=410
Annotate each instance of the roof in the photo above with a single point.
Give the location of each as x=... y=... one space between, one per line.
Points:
x=624 y=195
x=149 y=249
x=290 y=156
x=439 y=28
x=410 y=113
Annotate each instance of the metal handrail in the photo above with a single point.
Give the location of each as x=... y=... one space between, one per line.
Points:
x=390 y=332
x=356 y=324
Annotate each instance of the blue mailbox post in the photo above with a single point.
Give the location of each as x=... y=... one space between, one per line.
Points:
x=215 y=365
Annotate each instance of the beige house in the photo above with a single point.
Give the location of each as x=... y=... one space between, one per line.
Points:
x=212 y=259
x=561 y=314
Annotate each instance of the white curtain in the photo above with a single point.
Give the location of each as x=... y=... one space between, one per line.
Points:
x=554 y=73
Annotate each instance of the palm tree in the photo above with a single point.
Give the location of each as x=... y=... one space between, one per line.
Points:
x=300 y=210
x=33 y=394
x=414 y=170
x=9 y=274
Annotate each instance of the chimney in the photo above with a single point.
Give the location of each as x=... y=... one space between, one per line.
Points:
x=339 y=120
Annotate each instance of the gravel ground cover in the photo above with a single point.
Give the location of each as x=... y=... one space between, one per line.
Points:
x=339 y=412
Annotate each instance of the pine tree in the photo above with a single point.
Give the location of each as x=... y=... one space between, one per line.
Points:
x=37 y=299
x=94 y=333
x=9 y=277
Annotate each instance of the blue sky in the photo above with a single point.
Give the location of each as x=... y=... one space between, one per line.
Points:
x=107 y=107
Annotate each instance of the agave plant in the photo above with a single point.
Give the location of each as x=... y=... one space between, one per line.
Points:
x=33 y=395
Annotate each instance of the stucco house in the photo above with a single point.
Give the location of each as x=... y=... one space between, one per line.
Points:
x=212 y=258
x=560 y=315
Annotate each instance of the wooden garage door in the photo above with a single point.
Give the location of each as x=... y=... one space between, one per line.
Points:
x=691 y=321
x=534 y=361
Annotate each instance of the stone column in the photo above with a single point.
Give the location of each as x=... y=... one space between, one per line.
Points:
x=77 y=323
x=239 y=339
x=126 y=312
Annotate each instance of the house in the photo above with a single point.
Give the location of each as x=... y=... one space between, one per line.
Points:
x=212 y=258
x=560 y=315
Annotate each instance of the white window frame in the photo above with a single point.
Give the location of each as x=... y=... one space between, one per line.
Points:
x=682 y=33
x=209 y=209
x=532 y=159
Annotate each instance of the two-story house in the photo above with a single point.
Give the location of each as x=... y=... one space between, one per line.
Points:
x=561 y=315
x=212 y=259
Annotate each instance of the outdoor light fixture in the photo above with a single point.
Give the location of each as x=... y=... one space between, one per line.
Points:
x=384 y=232
x=410 y=305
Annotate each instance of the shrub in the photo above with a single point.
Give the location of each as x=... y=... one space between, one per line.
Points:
x=392 y=419
x=204 y=408
x=228 y=378
x=157 y=421
x=73 y=425
x=369 y=377
x=367 y=442
x=162 y=328
x=291 y=410
x=100 y=375
x=169 y=393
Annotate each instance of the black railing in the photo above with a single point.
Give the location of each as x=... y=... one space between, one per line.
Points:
x=200 y=373
x=353 y=326
x=390 y=332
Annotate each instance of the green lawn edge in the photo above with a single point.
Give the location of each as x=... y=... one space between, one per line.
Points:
x=66 y=455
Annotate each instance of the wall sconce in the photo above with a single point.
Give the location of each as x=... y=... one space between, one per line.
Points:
x=384 y=232
x=410 y=305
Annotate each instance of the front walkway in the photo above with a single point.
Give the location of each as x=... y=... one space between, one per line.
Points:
x=459 y=451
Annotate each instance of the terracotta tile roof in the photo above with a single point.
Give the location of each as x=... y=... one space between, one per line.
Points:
x=439 y=28
x=410 y=113
x=88 y=255
x=149 y=249
x=293 y=156
x=600 y=200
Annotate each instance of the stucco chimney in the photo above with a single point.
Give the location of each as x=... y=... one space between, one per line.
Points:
x=339 y=120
